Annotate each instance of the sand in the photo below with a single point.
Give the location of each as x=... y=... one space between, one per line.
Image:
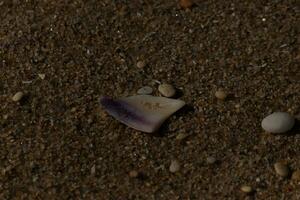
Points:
x=59 y=143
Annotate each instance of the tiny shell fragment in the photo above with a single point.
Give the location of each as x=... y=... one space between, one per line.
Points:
x=42 y=76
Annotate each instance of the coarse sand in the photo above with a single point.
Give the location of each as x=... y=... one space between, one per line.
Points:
x=57 y=142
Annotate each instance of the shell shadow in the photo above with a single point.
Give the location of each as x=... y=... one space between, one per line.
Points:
x=161 y=132
x=230 y=97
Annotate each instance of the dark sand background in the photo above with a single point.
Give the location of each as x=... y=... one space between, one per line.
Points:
x=58 y=143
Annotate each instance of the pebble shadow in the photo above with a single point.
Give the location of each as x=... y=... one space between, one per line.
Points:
x=178 y=94
x=295 y=130
x=230 y=97
x=25 y=100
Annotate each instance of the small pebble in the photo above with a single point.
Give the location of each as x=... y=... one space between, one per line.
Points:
x=186 y=3
x=296 y=175
x=166 y=90
x=211 y=160
x=140 y=64
x=281 y=169
x=133 y=174
x=181 y=136
x=175 y=166
x=221 y=94
x=278 y=122
x=246 y=189
x=145 y=90
x=18 y=96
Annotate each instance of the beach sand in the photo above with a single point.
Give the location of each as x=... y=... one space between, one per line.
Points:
x=57 y=142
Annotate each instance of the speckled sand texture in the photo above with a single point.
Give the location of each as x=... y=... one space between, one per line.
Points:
x=58 y=143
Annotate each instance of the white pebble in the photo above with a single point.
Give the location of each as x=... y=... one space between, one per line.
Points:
x=278 y=122
x=175 y=166
x=166 y=90
x=145 y=90
x=18 y=96
x=281 y=169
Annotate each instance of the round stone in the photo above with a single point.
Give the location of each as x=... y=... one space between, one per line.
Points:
x=221 y=94
x=281 y=169
x=166 y=90
x=140 y=64
x=296 y=175
x=18 y=96
x=278 y=122
x=246 y=189
x=175 y=166
x=211 y=160
x=145 y=90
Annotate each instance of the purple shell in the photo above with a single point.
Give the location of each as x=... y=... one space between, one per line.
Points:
x=133 y=113
x=122 y=111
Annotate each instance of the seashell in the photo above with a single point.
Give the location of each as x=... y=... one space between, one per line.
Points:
x=142 y=112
